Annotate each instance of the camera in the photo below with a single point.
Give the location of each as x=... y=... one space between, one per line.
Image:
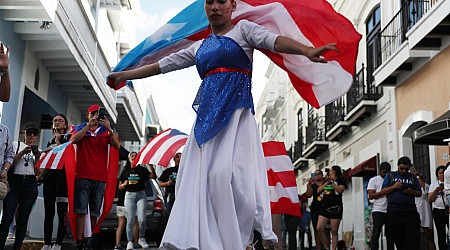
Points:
x=34 y=149
x=327 y=171
x=101 y=113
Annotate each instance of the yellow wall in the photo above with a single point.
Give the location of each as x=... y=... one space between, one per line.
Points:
x=428 y=89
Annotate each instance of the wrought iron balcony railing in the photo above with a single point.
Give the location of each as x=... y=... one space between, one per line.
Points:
x=298 y=148
x=394 y=34
x=334 y=113
x=362 y=90
x=315 y=131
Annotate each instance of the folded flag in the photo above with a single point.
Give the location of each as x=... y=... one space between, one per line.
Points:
x=313 y=23
x=161 y=148
x=56 y=157
x=281 y=179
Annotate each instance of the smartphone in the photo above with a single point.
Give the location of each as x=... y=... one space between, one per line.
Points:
x=313 y=174
x=34 y=149
x=101 y=113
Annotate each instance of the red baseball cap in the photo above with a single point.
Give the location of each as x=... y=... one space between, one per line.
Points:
x=93 y=108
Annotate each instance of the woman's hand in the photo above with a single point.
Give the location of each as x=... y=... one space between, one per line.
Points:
x=115 y=78
x=314 y=54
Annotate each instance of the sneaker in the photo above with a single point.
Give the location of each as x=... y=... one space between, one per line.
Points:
x=56 y=247
x=47 y=247
x=119 y=247
x=130 y=245
x=143 y=243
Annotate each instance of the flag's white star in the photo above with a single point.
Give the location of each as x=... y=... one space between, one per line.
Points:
x=164 y=33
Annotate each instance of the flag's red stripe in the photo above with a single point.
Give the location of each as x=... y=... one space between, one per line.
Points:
x=165 y=159
x=285 y=206
x=286 y=178
x=139 y=155
x=51 y=161
x=274 y=148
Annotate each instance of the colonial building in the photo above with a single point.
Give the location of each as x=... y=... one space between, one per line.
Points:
x=401 y=84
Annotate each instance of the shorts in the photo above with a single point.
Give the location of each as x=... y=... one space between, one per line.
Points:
x=88 y=192
x=120 y=211
x=333 y=212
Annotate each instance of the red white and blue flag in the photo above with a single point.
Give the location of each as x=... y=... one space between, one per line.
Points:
x=281 y=178
x=313 y=23
x=161 y=148
x=56 y=157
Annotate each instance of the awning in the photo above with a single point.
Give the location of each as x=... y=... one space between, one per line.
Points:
x=367 y=168
x=433 y=133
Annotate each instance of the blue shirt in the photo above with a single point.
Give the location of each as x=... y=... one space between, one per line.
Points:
x=397 y=200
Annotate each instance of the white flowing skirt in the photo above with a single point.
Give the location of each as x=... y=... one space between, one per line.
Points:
x=222 y=193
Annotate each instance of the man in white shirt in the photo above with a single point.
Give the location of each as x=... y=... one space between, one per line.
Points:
x=379 y=210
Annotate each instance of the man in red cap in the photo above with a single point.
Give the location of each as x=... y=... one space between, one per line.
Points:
x=93 y=140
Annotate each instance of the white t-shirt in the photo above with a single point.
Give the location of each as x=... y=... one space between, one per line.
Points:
x=439 y=202
x=27 y=159
x=247 y=34
x=380 y=204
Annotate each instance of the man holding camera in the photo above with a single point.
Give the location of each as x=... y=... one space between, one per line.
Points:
x=93 y=140
x=167 y=180
x=403 y=221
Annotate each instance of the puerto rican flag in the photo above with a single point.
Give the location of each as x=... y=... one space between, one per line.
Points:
x=161 y=148
x=281 y=178
x=313 y=23
x=56 y=157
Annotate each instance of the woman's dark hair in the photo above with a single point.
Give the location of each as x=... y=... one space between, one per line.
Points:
x=337 y=170
x=439 y=168
x=128 y=164
x=65 y=121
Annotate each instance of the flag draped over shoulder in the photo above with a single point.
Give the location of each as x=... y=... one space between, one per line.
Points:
x=161 y=148
x=313 y=23
x=281 y=179
x=57 y=156
x=110 y=187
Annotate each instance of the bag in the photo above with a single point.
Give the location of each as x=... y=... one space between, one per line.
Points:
x=4 y=188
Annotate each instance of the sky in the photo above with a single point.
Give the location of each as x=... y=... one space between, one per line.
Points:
x=174 y=92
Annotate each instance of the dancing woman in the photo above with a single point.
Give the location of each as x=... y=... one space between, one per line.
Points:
x=222 y=192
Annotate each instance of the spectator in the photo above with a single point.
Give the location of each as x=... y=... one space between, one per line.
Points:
x=292 y=226
x=5 y=82
x=120 y=207
x=55 y=189
x=167 y=180
x=403 y=221
x=316 y=180
x=379 y=209
x=440 y=214
x=332 y=206
x=23 y=184
x=93 y=140
x=6 y=159
x=134 y=180
x=424 y=210
x=304 y=225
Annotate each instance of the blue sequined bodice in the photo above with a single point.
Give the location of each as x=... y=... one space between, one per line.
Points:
x=220 y=93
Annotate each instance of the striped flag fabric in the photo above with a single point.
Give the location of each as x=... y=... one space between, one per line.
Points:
x=281 y=179
x=313 y=23
x=161 y=148
x=56 y=157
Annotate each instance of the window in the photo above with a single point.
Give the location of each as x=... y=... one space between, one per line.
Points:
x=421 y=161
x=373 y=29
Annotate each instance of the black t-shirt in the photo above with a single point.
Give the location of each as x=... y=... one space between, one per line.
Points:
x=168 y=174
x=136 y=178
x=330 y=196
x=317 y=198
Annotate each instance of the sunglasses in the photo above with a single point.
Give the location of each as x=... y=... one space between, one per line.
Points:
x=403 y=169
x=94 y=112
x=58 y=120
x=32 y=132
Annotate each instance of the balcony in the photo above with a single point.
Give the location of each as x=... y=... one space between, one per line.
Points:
x=416 y=31
x=335 y=124
x=361 y=99
x=315 y=143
